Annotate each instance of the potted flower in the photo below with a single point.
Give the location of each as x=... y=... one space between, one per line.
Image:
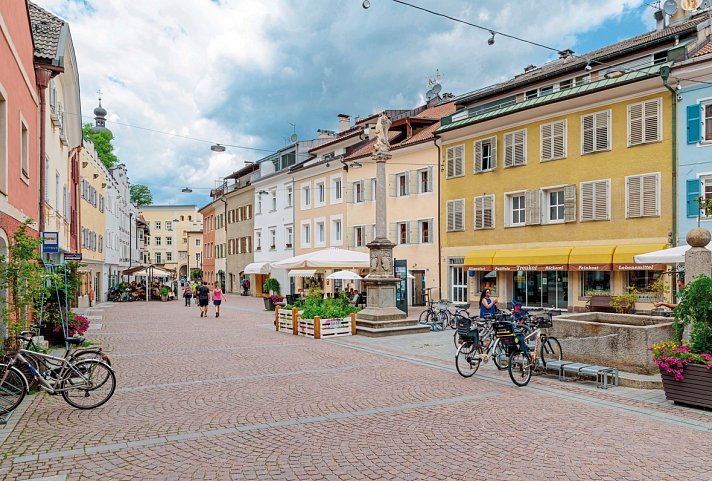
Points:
x=625 y=303
x=270 y=287
x=163 y=292
x=273 y=300
x=686 y=368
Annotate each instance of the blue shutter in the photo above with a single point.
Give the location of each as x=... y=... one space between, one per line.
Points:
x=693 y=124
x=693 y=192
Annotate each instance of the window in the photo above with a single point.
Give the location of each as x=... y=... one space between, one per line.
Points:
x=336 y=190
x=306 y=234
x=289 y=196
x=560 y=204
x=595 y=200
x=320 y=188
x=402 y=232
x=515 y=148
x=3 y=142
x=530 y=94
x=101 y=203
x=158 y=241
x=425 y=180
x=182 y=218
x=457 y=279
x=158 y=257
x=336 y=231
x=485 y=155
x=273 y=238
x=582 y=79
x=455 y=160
x=258 y=240
x=595 y=283
x=306 y=196
x=359 y=236
x=596 y=132
x=484 y=212
x=157 y=225
x=57 y=204
x=707 y=109
x=169 y=225
x=565 y=84
x=516 y=206
x=24 y=150
x=455 y=213
x=371 y=196
x=425 y=231
x=289 y=234
x=148 y=239
x=553 y=141
x=197 y=242
x=169 y=256
x=642 y=281
x=169 y=241
x=546 y=90
x=258 y=203
x=189 y=218
x=358 y=192
x=644 y=122
x=273 y=195
x=642 y=193
x=402 y=187
x=101 y=243
x=320 y=233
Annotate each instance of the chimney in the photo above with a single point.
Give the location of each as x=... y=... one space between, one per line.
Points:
x=659 y=20
x=529 y=67
x=344 y=122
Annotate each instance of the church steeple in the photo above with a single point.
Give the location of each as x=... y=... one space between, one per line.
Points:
x=99 y=118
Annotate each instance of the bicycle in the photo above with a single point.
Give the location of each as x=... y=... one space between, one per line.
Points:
x=477 y=347
x=85 y=378
x=432 y=316
x=523 y=360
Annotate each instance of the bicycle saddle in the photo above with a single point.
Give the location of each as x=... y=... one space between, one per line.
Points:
x=76 y=340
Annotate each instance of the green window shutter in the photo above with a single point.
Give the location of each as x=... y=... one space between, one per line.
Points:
x=693 y=192
x=693 y=127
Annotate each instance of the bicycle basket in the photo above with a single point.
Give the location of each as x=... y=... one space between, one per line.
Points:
x=543 y=321
x=503 y=329
x=463 y=325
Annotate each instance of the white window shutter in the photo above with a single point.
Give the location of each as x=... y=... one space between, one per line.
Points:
x=431 y=232
x=634 y=196
x=546 y=142
x=392 y=185
x=520 y=141
x=488 y=211
x=650 y=195
x=587 y=201
x=450 y=215
x=532 y=198
x=570 y=203
x=493 y=141
x=479 y=214
x=413 y=184
x=459 y=160
x=603 y=134
x=460 y=215
x=508 y=150
x=635 y=124
x=478 y=156
x=431 y=173
x=652 y=120
x=413 y=237
x=367 y=191
x=587 y=134
x=450 y=161
x=558 y=146
x=601 y=200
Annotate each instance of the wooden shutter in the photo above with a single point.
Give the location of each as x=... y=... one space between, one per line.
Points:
x=520 y=151
x=414 y=181
x=587 y=201
x=546 y=142
x=488 y=211
x=651 y=111
x=413 y=237
x=559 y=140
x=479 y=213
x=650 y=195
x=450 y=214
x=478 y=156
x=570 y=203
x=508 y=150
x=693 y=193
x=634 y=196
x=587 y=134
x=455 y=215
x=694 y=124
x=532 y=199
x=635 y=124
x=603 y=134
x=601 y=200
x=392 y=185
x=455 y=161
x=431 y=174
x=493 y=144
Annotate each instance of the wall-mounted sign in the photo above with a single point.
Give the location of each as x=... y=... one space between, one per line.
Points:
x=72 y=256
x=50 y=242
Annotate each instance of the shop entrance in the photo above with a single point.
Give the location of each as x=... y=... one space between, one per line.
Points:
x=541 y=289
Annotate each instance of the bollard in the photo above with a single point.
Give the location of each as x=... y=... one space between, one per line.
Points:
x=276 y=317
x=353 y=324
x=295 y=321
x=317 y=327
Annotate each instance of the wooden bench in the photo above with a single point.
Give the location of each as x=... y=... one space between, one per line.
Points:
x=599 y=303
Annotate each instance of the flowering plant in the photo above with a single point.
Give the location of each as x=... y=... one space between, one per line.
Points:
x=672 y=358
x=275 y=298
x=77 y=325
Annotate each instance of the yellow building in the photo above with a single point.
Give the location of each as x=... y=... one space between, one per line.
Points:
x=554 y=180
x=92 y=193
x=167 y=244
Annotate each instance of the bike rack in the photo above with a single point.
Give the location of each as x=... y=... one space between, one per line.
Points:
x=4 y=418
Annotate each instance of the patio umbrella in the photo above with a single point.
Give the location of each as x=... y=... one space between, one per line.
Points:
x=325 y=259
x=345 y=275
x=673 y=255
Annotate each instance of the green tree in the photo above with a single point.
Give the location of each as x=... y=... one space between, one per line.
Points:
x=141 y=195
x=102 y=144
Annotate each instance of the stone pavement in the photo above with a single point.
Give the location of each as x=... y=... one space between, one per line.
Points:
x=229 y=398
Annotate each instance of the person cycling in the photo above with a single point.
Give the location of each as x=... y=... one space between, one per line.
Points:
x=487 y=304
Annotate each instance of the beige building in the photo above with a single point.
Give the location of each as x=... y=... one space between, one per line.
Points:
x=240 y=196
x=168 y=244
x=194 y=252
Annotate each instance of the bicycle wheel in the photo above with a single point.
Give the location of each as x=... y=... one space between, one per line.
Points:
x=520 y=368
x=467 y=359
x=12 y=389
x=456 y=339
x=91 y=354
x=423 y=318
x=90 y=386
x=500 y=358
x=450 y=319
x=550 y=350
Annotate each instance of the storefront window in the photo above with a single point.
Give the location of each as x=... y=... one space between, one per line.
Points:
x=643 y=280
x=541 y=289
x=486 y=280
x=595 y=283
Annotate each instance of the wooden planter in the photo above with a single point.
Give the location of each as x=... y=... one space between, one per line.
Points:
x=694 y=390
x=316 y=328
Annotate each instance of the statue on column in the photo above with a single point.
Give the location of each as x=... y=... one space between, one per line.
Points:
x=382 y=125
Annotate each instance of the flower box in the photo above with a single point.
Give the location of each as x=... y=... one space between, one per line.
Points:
x=694 y=390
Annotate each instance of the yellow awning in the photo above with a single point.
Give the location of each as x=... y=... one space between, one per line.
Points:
x=479 y=259
x=591 y=258
x=541 y=258
x=624 y=254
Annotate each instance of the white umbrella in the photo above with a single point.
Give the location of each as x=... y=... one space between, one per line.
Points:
x=345 y=275
x=325 y=259
x=673 y=255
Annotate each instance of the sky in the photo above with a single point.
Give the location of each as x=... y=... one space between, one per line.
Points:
x=250 y=73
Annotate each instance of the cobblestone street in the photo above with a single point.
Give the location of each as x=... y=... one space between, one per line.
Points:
x=229 y=398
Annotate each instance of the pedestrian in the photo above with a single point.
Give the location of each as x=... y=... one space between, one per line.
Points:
x=203 y=299
x=217 y=298
x=187 y=294
x=246 y=286
x=91 y=295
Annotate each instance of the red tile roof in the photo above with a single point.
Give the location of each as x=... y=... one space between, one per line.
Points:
x=707 y=48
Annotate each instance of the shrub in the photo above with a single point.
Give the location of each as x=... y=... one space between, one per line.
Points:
x=271 y=285
x=624 y=303
x=695 y=309
x=77 y=325
x=327 y=308
x=163 y=291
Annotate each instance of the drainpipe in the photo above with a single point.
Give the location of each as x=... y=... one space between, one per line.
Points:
x=43 y=77
x=440 y=246
x=665 y=75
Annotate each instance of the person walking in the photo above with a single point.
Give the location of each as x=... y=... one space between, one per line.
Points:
x=217 y=298
x=187 y=294
x=203 y=299
x=246 y=287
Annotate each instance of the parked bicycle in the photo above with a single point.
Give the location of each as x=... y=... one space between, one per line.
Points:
x=436 y=314
x=83 y=383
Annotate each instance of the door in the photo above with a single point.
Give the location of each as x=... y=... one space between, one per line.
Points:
x=418 y=288
x=400 y=268
x=458 y=283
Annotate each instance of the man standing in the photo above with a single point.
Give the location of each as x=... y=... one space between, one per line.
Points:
x=203 y=299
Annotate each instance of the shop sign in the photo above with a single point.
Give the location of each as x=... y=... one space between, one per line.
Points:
x=639 y=267
x=50 y=242
x=72 y=256
x=590 y=267
x=479 y=268
x=533 y=267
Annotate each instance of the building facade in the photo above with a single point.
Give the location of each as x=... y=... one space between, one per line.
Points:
x=240 y=195
x=167 y=243
x=209 y=225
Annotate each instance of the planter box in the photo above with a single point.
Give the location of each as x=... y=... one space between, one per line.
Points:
x=694 y=390
x=327 y=327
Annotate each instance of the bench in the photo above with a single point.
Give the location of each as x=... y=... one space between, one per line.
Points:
x=604 y=376
x=599 y=303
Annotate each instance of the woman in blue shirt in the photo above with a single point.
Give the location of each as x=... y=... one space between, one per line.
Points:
x=487 y=304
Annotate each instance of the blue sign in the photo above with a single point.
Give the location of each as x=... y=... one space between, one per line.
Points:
x=50 y=242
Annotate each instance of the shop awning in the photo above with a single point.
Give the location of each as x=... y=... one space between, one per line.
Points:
x=303 y=273
x=257 y=268
x=536 y=259
x=623 y=257
x=591 y=258
x=479 y=260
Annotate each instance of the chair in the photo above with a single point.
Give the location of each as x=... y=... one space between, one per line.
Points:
x=290 y=299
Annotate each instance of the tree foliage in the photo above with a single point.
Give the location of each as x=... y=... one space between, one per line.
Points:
x=102 y=144
x=696 y=309
x=141 y=195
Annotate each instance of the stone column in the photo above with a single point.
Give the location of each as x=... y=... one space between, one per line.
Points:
x=698 y=260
